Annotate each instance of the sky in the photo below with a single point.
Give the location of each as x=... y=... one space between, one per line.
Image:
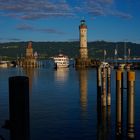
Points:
x=59 y=20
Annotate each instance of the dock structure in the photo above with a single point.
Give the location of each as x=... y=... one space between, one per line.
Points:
x=30 y=60
x=83 y=60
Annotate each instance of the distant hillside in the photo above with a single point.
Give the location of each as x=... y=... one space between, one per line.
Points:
x=48 y=49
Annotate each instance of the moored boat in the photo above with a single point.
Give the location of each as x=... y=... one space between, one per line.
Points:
x=7 y=64
x=61 y=61
x=3 y=64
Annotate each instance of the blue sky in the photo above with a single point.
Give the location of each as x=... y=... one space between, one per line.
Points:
x=58 y=20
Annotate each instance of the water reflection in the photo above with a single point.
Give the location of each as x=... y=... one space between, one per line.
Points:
x=103 y=123
x=1 y=137
x=32 y=74
x=108 y=121
x=130 y=111
x=99 y=113
x=61 y=75
x=83 y=89
x=103 y=120
x=130 y=131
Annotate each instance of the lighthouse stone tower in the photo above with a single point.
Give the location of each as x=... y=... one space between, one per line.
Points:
x=83 y=40
x=83 y=61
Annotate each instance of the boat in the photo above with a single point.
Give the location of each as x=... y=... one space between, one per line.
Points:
x=61 y=61
x=3 y=64
x=7 y=64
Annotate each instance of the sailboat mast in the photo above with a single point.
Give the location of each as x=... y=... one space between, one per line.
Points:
x=125 y=56
x=116 y=54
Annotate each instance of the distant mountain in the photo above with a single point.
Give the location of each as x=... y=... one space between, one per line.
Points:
x=48 y=49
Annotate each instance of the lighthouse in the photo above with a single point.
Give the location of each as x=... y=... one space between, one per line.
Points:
x=83 y=61
x=83 y=40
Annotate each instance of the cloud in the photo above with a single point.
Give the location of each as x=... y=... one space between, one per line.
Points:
x=100 y=8
x=49 y=30
x=33 y=16
x=43 y=9
x=26 y=27
x=10 y=39
x=122 y=15
x=94 y=7
x=13 y=39
x=32 y=9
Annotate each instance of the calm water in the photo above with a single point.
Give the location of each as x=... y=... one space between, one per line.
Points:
x=63 y=105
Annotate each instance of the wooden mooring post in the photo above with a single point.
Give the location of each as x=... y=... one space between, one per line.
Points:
x=130 y=104
x=99 y=84
x=19 y=107
x=103 y=97
x=119 y=102
x=108 y=86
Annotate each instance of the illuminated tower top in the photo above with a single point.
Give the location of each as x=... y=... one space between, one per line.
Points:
x=83 y=24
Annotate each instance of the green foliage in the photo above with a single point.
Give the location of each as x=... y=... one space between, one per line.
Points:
x=48 y=49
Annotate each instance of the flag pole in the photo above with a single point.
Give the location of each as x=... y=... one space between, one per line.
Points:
x=116 y=53
x=104 y=54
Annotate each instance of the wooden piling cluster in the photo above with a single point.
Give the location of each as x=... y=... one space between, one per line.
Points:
x=104 y=85
x=104 y=98
x=130 y=103
x=103 y=102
